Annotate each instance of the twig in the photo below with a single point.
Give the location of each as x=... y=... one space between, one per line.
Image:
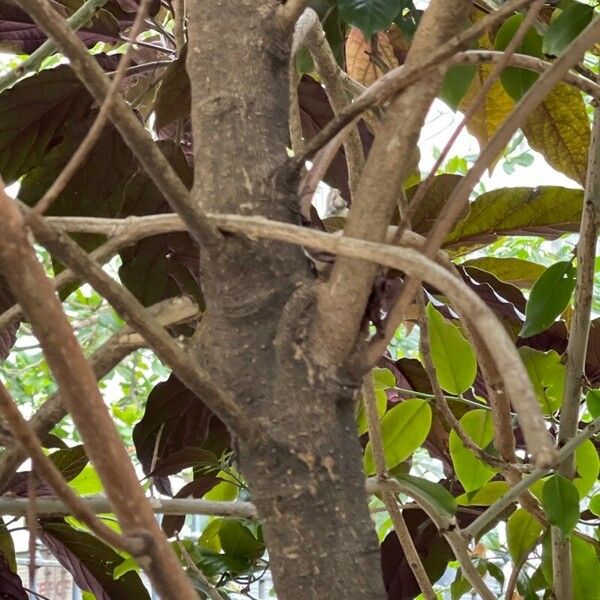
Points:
x=501 y=505
x=289 y=13
x=46 y=469
x=211 y=591
x=514 y=576
x=327 y=67
x=91 y=138
x=133 y=132
x=31 y=517
x=577 y=348
x=33 y=62
x=111 y=353
x=74 y=376
x=179 y=24
x=129 y=308
x=400 y=527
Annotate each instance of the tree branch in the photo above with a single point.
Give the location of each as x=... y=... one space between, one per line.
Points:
x=28 y=282
x=577 y=348
x=133 y=132
x=111 y=353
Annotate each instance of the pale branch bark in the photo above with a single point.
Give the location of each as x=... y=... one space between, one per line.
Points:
x=474 y=106
x=74 y=376
x=134 y=134
x=458 y=200
x=179 y=8
x=398 y=79
x=577 y=348
x=327 y=67
x=221 y=402
x=169 y=312
x=511 y=496
x=93 y=134
x=33 y=62
x=47 y=470
x=289 y=12
x=210 y=590
x=335 y=336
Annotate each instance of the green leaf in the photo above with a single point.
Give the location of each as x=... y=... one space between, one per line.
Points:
x=471 y=471
x=370 y=16
x=587 y=465
x=595 y=504
x=361 y=416
x=518 y=272
x=87 y=482
x=522 y=532
x=486 y=495
x=237 y=540
x=383 y=379
x=549 y=297
x=592 y=400
x=547 y=374
x=129 y=564
x=586 y=567
x=403 y=428
x=456 y=84
x=434 y=493
x=560 y=500
x=517 y=81
x=453 y=358
x=566 y=27
x=70 y=461
x=542 y=211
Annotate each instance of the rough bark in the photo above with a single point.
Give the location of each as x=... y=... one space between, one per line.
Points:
x=307 y=478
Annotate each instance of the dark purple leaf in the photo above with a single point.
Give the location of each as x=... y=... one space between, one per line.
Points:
x=184 y=459
x=18 y=485
x=90 y=562
x=11 y=586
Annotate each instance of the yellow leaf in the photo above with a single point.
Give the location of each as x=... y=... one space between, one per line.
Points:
x=560 y=130
x=492 y=112
x=362 y=63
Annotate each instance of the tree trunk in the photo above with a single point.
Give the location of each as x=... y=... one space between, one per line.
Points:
x=307 y=479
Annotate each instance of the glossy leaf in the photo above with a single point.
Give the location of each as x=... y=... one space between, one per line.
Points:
x=471 y=471
x=517 y=81
x=559 y=128
x=522 y=532
x=592 y=400
x=566 y=27
x=549 y=297
x=453 y=358
x=586 y=566
x=519 y=272
x=237 y=540
x=547 y=374
x=595 y=504
x=403 y=428
x=587 y=466
x=456 y=84
x=434 y=493
x=486 y=495
x=560 y=500
x=370 y=16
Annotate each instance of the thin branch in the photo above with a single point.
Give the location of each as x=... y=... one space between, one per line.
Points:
x=400 y=527
x=211 y=591
x=496 y=509
x=289 y=13
x=92 y=136
x=111 y=353
x=46 y=469
x=221 y=402
x=34 y=61
x=74 y=376
x=459 y=198
x=133 y=132
x=577 y=348
x=327 y=67
x=179 y=9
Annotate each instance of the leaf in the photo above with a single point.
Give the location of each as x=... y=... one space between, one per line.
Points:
x=518 y=272
x=544 y=211
x=237 y=540
x=559 y=128
x=403 y=428
x=454 y=360
x=400 y=583
x=547 y=374
x=435 y=494
x=383 y=379
x=592 y=400
x=587 y=466
x=522 y=532
x=90 y=562
x=456 y=84
x=517 y=81
x=183 y=459
x=560 y=500
x=486 y=495
x=11 y=586
x=70 y=462
x=370 y=16
x=34 y=116
x=359 y=62
x=471 y=471
x=595 y=504
x=586 y=566
x=550 y=296
x=173 y=98
x=566 y=27
x=7 y=548
x=87 y=482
